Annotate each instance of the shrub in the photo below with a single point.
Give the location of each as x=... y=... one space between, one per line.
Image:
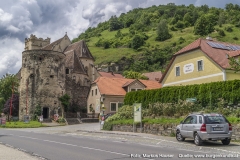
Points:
x=179 y=24
x=235 y=38
x=181 y=40
x=61 y=120
x=173 y=28
x=228 y=29
x=221 y=32
x=137 y=41
x=107 y=126
x=125 y=112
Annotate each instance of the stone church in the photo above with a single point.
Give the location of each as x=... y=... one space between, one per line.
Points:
x=50 y=70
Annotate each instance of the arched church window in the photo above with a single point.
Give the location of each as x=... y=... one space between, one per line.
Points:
x=67 y=71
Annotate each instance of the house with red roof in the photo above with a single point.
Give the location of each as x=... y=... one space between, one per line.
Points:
x=110 y=92
x=202 y=61
x=110 y=74
x=153 y=76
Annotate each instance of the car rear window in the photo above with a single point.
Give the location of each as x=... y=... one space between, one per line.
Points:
x=214 y=119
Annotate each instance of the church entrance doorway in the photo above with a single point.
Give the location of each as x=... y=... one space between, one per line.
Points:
x=45 y=112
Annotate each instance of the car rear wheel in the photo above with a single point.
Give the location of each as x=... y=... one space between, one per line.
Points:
x=226 y=141
x=197 y=140
x=179 y=137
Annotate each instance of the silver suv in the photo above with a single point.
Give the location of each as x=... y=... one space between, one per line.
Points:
x=203 y=127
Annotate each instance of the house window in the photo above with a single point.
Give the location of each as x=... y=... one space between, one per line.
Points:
x=200 y=65
x=67 y=71
x=120 y=105
x=178 y=71
x=92 y=92
x=133 y=90
x=113 y=107
x=95 y=91
x=139 y=89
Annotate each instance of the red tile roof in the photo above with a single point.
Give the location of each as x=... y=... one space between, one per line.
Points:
x=153 y=76
x=234 y=53
x=114 y=86
x=219 y=56
x=110 y=75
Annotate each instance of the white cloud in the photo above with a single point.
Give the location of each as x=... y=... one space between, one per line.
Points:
x=4 y=16
x=12 y=28
x=11 y=55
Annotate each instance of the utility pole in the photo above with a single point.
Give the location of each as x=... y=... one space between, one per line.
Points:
x=27 y=97
x=11 y=99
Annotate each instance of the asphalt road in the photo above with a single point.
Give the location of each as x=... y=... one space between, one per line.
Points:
x=87 y=146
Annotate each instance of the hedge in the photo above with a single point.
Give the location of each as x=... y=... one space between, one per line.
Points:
x=207 y=94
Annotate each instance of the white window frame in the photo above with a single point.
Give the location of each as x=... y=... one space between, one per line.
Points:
x=176 y=71
x=136 y=89
x=198 y=65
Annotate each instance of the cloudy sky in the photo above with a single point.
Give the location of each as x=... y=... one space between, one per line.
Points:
x=52 y=18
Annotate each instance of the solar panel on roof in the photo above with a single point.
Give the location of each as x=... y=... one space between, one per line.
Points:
x=217 y=45
x=235 y=47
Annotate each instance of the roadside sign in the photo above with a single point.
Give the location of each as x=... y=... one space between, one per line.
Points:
x=41 y=119
x=137 y=112
x=26 y=118
x=192 y=100
x=3 y=121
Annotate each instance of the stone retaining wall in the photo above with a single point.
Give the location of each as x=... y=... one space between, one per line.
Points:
x=165 y=130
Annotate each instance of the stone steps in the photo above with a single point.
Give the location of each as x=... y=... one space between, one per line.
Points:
x=47 y=120
x=71 y=121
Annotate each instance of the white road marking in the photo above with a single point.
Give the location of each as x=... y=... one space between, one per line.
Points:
x=90 y=148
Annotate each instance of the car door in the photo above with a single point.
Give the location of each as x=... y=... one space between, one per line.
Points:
x=185 y=126
x=192 y=126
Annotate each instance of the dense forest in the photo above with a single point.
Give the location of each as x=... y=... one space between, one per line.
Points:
x=144 y=39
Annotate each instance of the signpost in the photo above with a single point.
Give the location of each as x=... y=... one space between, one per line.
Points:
x=26 y=118
x=3 y=121
x=101 y=118
x=137 y=113
x=41 y=119
x=192 y=100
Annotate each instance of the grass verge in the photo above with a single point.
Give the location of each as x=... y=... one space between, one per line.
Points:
x=20 y=124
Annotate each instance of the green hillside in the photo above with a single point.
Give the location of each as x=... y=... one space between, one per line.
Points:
x=139 y=40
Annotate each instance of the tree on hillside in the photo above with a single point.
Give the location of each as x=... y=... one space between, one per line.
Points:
x=162 y=31
x=203 y=26
x=134 y=75
x=187 y=19
x=115 y=24
x=137 y=41
x=6 y=83
x=222 y=19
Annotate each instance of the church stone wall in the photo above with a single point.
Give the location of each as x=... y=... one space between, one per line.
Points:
x=42 y=80
x=78 y=92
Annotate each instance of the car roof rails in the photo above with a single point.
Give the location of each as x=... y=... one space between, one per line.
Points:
x=197 y=113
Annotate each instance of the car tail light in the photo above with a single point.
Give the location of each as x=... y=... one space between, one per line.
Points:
x=230 y=126
x=203 y=128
